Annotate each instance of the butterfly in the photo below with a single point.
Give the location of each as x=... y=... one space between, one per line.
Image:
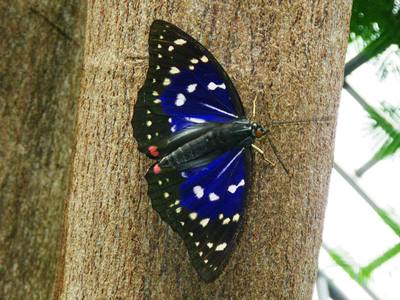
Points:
x=189 y=118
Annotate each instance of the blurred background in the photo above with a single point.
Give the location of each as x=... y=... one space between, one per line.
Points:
x=360 y=256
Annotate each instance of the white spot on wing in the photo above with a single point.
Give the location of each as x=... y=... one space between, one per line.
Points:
x=180 y=42
x=191 y=87
x=232 y=188
x=193 y=215
x=148 y=123
x=204 y=222
x=236 y=218
x=213 y=197
x=170 y=48
x=220 y=247
x=226 y=221
x=178 y=210
x=198 y=191
x=166 y=81
x=204 y=59
x=174 y=70
x=221 y=216
x=212 y=86
x=194 y=60
x=180 y=99
x=173 y=128
x=209 y=245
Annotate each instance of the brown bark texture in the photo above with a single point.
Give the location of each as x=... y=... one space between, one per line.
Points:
x=40 y=67
x=290 y=53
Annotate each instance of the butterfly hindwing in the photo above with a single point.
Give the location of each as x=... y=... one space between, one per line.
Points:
x=205 y=205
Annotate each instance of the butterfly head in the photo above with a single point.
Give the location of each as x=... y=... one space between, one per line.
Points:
x=258 y=131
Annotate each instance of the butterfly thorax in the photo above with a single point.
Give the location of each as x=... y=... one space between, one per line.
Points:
x=204 y=148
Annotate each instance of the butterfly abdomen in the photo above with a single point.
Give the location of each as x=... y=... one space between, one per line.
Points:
x=206 y=147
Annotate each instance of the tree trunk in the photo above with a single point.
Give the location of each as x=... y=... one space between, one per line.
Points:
x=115 y=245
x=39 y=85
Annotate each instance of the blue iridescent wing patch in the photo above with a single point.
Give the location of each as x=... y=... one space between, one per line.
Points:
x=187 y=92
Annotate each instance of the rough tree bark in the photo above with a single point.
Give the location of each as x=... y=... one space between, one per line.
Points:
x=39 y=84
x=292 y=54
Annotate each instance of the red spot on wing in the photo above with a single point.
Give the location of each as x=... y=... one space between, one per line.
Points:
x=156 y=169
x=153 y=150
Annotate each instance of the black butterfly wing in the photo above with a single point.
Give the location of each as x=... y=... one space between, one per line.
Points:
x=205 y=206
x=185 y=86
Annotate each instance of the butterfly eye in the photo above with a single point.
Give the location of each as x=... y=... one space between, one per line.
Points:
x=259 y=132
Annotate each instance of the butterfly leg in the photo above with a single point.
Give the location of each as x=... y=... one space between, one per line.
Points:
x=277 y=156
x=253 y=114
x=263 y=155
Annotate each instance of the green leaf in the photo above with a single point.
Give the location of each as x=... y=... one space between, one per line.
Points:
x=366 y=272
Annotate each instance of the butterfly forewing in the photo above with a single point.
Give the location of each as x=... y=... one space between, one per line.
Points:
x=186 y=93
x=185 y=86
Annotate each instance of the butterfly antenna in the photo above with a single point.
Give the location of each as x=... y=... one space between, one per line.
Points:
x=298 y=122
x=263 y=155
x=277 y=156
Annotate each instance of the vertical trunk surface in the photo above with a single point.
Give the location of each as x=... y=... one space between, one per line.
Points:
x=292 y=55
x=39 y=84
